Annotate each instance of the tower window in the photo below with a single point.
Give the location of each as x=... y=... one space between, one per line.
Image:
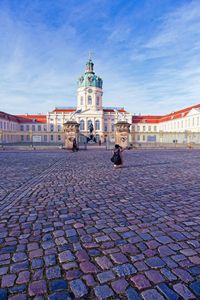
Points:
x=81 y=100
x=97 y=100
x=89 y=100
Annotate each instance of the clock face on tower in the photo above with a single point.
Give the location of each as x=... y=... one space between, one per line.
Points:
x=90 y=91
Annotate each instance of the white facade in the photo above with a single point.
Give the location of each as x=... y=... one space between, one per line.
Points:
x=179 y=127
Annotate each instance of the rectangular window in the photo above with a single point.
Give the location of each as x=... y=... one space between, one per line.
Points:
x=27 y=127
x=33 y=127
x=45 y=127
x=155 y=128
x=144 y=128
x=143 y=137
x=138 y=128
x=105 y=127
x=28 y=138
x=22 y=138
x=39 y=127
x=138 y=137
x=51 y=127
x=51 y=137
x=22 y=127
x=149 y=128
x=59 y=138
x=45 y=138
x=59 y=127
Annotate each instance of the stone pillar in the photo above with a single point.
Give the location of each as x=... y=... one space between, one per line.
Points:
x=122 y=131
x=71 y=131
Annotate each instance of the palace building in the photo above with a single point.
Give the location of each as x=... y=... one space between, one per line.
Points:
x=179 y=127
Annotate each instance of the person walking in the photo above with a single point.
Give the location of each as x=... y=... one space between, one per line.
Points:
x=117 y=156
x=74 y=147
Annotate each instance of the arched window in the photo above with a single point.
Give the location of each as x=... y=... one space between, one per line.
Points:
x=82 y=125
x=97 y=100
x=97 y=125
x=89 y=100
x=81 y=100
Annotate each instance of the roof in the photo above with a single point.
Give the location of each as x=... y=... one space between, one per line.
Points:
x=146 y=119
x=158 y=119
x=57 y=110
x=32 y=118
x=8 y=117
x=113 y=109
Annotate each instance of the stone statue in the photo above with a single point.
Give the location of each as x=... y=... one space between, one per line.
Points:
x=91 y=128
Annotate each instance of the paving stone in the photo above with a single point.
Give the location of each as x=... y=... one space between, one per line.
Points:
x=183 y=291
x=18 y=289
x=103 y=292
x=167 y=292
x=37 y=263
x=18 y=297
x=119 y=258
x=132 y=294
x=88 y=267
x=73 y=274
x=8 y=280
x=53 y=272
x=183 y=275
x=19 y=256
x=37 y=288
x=57 y=285
x=78 y=288
x=124 y=270
x=155 y=262
x=66 y=256
x=105 y=276
x=59 y=296
x=168 y=274
x=194 y=270
x=3 y=294
x=23 y=277
x=119 y=286
x=195 y=287
x=104 y=262
x=152 y=295
x=15 y=268
x=154 y=276
x=50 y=260
x=89 y=279
x=140 y=282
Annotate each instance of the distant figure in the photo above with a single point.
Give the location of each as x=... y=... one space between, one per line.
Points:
x=99 y=142
x=74 y=147
x=117 y=156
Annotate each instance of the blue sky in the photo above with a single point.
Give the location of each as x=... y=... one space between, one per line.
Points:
x=146 y=51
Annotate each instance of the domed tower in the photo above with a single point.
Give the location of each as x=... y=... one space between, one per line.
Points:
x=89 y=93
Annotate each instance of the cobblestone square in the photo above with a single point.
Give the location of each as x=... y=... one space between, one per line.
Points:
x=72 y=227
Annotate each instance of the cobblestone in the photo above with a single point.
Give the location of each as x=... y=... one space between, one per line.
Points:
x=71 y=226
